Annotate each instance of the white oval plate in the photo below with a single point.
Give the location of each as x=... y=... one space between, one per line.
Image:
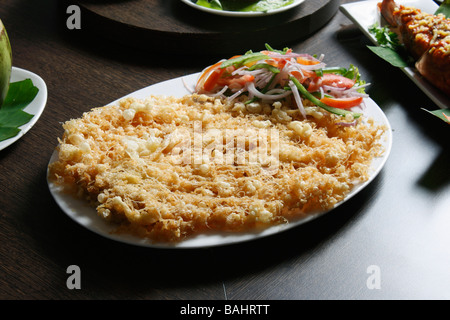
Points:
x=365 y=13
x=36 y=107
x=242 y=14
x=87 y=216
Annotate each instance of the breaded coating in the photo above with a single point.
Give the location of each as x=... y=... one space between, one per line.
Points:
x=167 y=168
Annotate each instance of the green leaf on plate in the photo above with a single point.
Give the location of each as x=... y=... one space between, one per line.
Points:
x=389 y=47
x=244 y=6
x=12 y=116
x=443 y=114
x=8 y=132
x=212 y=4
x=390 y=55
x=444 y=8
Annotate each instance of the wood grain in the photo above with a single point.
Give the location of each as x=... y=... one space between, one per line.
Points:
x=172 y=25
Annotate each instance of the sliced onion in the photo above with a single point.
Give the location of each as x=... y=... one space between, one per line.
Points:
x=321 y=92
x=343 y=92
x=284 y=55
x=361 y=86
x=313 y=67
x=262 y=79
x=348 y=124
x=290 y=55
x=237 y=94
x=244 y=70
x=297 y=98
x=334 y=91
x=277 y=79
x=357 y=94
x=220 y=93
x=255 y=92
x=290 y=67
x=191 y=90
x=276 y=91
x=354 y=91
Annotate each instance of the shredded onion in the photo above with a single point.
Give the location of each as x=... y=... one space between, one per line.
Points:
x=343 y=92
x=297 y=98
x=347 y=124
x=255 y=92
x=321 y=92
x=220 y=93
x=313 y=67
x=190 y=89
x=237 y=94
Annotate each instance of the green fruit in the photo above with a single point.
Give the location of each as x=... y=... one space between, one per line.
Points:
x=5 y=62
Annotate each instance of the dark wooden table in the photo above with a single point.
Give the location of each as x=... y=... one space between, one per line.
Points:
x=397 y=229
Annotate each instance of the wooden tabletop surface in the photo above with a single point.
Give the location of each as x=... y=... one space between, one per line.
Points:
x=162 y=26
x=396 y=231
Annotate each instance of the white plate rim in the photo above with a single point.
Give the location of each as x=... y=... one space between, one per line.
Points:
x=242 y=14
x=365 y=13
x=36 y=107
x=79 y=211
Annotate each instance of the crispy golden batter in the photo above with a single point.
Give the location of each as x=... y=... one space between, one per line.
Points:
x=166 y=168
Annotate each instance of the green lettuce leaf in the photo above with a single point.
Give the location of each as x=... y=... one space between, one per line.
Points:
x=12 y=116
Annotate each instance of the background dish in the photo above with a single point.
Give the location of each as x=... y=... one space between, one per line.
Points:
x=36 y=107
x=86 y=216
x=242 y=14
x=365 y=13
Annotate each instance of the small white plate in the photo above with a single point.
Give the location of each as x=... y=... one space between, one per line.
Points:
x=365 y=13
x=36 y=107
x=85 y=215
x=242 y=14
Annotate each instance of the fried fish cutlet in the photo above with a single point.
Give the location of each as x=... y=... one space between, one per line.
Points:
x=427 y=39
x=166 y=168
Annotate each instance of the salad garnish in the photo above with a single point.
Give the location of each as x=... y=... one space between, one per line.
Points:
x=389 y=47
x=272 y=75
x=244 y=5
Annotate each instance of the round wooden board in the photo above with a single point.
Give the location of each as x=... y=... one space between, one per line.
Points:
x=171 y=25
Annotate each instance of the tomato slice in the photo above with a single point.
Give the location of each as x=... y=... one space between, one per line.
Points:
x=342 y=103
x=306 y=61
x=212 y=79
x=235 y=82
x=336 y=80
x=205 y=75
